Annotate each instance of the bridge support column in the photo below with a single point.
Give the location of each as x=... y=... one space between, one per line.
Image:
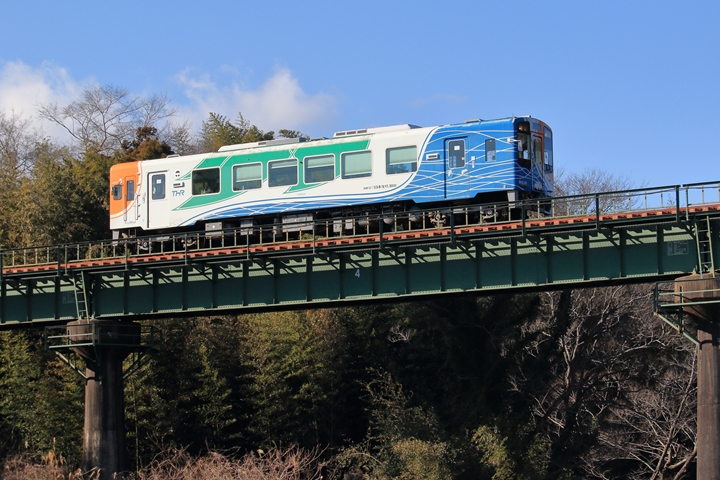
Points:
x=700 y=293
x=104 y=345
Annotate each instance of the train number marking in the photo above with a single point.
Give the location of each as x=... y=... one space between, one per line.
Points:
x=357 y=273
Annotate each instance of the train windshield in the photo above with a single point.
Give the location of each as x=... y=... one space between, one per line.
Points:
x=523 y=144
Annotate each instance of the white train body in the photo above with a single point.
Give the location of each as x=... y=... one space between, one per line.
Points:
x=374 y=170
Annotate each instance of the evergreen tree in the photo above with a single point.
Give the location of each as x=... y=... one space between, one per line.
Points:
x=218 y=131
x=145 y=146
x=41 y=405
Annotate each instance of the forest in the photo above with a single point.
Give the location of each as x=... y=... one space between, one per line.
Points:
x=548 y=385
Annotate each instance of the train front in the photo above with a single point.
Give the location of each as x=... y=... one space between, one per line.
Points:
x=534 y=152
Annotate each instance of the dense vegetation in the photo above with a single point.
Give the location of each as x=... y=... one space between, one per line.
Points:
x=556 y=385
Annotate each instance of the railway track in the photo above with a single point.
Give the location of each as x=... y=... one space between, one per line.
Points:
x=113 y=255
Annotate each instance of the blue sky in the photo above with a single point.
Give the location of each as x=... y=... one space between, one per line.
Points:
x=629 y=87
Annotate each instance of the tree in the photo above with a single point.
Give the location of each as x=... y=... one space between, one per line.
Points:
x=218 y=131
x=405 y=438
x=651 y=433
x=192 y=394
x=586 y=184
x=146 y=145
x=608 y=390
x=17 y=145
x=41 y=404
x=180 y=138
x=105 y=116
x=64 y=199
x=292 y=360
x=19 y=148
x=285 y=133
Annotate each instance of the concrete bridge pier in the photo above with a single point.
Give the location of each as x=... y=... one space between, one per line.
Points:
x=701 y=299
x=104 y=345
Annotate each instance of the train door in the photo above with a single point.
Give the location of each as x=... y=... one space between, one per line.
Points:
x=158 y=205
x=455 y=178
x=538 y=162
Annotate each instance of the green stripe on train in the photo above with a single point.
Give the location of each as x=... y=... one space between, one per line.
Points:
x=226 y=163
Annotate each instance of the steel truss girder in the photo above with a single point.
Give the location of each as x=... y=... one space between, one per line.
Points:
x=573 y=258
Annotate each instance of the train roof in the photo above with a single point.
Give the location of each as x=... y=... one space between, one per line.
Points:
x=391 y=128
x=286 y=141
x=264 y=143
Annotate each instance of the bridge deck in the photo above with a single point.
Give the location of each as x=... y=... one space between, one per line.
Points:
x=407 y=237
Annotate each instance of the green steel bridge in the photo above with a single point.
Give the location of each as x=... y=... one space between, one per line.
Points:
x=643 y=235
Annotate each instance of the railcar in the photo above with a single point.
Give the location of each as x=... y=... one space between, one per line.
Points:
x=290 y=183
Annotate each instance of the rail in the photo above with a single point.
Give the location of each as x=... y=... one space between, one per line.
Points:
x=675 y=202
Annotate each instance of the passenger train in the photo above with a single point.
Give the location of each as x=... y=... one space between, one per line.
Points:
x=289 y=183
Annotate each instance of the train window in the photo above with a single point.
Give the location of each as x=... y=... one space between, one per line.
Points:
x=130 y=195
x=320 y=169
x=117 y=192
x=205 y=181
x=356 y=164
x=283 y=172
x=456 y=153
x=247 y=177
x=158 y=186
x=401 y=160
x=490 y=150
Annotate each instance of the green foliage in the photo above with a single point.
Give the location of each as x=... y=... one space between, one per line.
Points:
x=41 y=405
x=146 y=145
x=404 y=439
x=505 y=463
x=292 y=362
x=392 y=417
x=184 y=396
x=211 y=397
x=64 y=199
x=285 y=133
x=218 y=131
x=420 y=459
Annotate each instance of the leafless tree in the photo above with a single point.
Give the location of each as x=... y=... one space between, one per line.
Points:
x=17 y=144
x=616 y=382
x=654 y=428
x=585 y=185
x=104 y=116
x=180 y=138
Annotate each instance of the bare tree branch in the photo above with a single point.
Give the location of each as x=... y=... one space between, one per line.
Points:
x=105 y=116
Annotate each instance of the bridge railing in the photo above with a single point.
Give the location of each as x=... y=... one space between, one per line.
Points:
x=673 y=200
x=706 y=193
x=672 y=197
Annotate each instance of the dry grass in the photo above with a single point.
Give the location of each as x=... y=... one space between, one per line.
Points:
x=51 y=467
x=288 y=464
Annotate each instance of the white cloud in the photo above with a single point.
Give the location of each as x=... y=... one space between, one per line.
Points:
x=279 y=103
x=23 y=88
